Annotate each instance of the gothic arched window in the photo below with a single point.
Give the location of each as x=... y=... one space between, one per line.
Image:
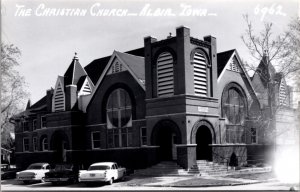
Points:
x=119 y=110
x=233 y=107
x=234 y=112
x=119 y=118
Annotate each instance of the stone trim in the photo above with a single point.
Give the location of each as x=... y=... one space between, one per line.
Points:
x=184 y=113
x=186 y=145
x=199 y=124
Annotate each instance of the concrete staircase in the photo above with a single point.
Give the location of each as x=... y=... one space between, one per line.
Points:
x=207 y=168
x=164 y=168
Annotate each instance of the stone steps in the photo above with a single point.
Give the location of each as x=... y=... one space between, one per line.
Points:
x=206 y=168
x=169 y=168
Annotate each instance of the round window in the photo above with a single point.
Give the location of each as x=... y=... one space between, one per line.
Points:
x=119 y=108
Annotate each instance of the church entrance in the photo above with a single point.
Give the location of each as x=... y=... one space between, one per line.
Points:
x=60 y=145
x=166 y=135
x=203 y=140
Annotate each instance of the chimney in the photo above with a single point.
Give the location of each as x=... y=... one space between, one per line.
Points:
x=49 y=99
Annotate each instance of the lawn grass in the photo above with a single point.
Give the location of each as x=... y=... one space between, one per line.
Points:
x=194 y=182
x=254 y=176
x=140 y=181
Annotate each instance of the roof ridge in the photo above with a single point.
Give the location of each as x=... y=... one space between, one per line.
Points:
x=226 y=51
x=128 y=54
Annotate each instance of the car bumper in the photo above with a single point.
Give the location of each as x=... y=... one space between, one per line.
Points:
x=93 y=179
x=28 y=179
x=57 y=179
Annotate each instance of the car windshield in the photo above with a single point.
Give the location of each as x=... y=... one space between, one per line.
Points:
x=99 y=167
x=62 y=167
x=35 y=167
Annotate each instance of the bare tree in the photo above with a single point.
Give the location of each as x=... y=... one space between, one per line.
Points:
x=278 y=52
x=282 y=50
x=13 y=90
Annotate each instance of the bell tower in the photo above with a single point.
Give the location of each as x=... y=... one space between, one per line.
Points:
x=180 y=65
x=181 y=80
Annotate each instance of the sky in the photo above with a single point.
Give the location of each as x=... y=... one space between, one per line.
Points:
x=48 y=42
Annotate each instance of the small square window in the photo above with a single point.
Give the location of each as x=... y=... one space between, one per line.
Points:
x=26 y=144
x=96 y=140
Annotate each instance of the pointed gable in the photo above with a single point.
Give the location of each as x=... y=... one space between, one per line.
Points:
x=262 y=71
x=58 y=100
x=135 y=63
x=85 y=86
x=74 y=72
x=222 y=60
x=97 y=66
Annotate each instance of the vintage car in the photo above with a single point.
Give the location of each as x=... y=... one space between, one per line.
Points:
x=102 y=172
x=62 y=173
x=8 y=171
x=35 y=172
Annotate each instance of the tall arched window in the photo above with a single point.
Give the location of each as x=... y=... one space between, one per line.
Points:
x=200 y=75
x=119 y=119
x=234 y=112
x=45 y=144
x=165 y=75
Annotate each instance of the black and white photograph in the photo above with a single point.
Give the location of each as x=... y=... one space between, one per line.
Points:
x=139 y=95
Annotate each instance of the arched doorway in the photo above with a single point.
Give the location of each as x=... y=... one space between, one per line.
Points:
x=59 y=144
x=166 y=135
x=203 y=141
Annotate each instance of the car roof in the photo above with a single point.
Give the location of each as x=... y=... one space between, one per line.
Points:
x=40 y=164
x=103 y=163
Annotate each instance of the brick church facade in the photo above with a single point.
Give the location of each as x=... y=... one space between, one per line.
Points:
x=175 y=99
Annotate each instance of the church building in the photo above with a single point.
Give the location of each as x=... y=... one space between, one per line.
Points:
x=175 y=99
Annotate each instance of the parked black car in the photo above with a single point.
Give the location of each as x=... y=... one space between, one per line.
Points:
x=63 y=173
x=8 y=171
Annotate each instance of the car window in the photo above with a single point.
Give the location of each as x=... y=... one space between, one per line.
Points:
x=34 y=166
x=48 y=167
x=116 y=166
x=99 y=167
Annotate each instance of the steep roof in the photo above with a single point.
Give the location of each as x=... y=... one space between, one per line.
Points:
x=80 y=82
x=222 y=59
x=74 y=72
x=135 y=63
x=97 y=66
x=262 y=72
x=39 y=103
